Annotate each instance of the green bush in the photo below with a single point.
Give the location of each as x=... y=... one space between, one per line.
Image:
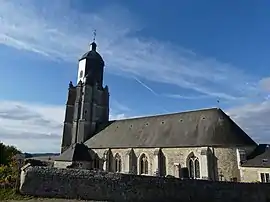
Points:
x=9 y=173
x=11 y=194
x=8 y=166
x=7 y=153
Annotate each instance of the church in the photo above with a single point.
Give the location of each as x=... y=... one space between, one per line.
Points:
x=201 y=144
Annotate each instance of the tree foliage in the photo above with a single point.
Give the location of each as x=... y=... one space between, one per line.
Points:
x=8 y=164
x=7 y=153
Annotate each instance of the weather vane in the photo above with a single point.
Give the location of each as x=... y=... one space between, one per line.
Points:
x=94 y=35
x=218 y=101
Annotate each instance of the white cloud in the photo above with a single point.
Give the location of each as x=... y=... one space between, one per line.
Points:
x=254 y=119
x=32 y=127
x=177 y=96
x=265 y=84
x=37 y=127
x=58 y=31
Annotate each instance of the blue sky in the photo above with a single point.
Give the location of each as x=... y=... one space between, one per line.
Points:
x=160 y=58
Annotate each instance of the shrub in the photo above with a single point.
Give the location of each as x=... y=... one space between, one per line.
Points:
x=8 y=165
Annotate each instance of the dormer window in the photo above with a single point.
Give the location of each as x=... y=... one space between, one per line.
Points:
x=242 y=155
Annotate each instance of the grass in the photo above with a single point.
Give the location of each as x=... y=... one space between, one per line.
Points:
x=11 y=194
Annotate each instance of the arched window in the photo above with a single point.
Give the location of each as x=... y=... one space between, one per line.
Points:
x=197 y=168
x=96 y=162
x=194 y=167
x=143 y=164
x=117 y=163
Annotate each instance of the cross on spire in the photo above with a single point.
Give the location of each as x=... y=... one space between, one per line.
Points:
x=93 y=45
x=218 y=101
x=94 y=35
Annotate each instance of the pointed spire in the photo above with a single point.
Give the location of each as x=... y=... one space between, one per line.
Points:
x=70 y=84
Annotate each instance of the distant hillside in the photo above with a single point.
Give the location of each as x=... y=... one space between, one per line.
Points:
x=31 y=155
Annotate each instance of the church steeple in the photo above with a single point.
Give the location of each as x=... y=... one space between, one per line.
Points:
x=88 y=101
x=91 y=65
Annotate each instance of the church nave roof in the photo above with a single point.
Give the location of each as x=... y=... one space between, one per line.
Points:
x=207 y=127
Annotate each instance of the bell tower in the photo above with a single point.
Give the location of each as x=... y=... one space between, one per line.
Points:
x=88 y=101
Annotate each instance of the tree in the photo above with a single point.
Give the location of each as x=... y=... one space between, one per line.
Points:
x=7 y=153
x=8 y=164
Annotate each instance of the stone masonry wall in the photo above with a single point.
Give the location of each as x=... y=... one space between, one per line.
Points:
x=172 y=156
x=227 y=164
x=85 y=184
x=252 y=174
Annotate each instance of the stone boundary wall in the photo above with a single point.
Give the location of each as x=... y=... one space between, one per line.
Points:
x=102 y=186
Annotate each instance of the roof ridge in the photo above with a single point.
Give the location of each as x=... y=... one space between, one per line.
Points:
x=169 y=114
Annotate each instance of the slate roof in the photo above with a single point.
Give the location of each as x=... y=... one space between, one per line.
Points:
x=76 y=152
x=260 y=157
x=92 y=54
x=207 y=127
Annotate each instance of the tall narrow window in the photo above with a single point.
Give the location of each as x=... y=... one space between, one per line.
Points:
x=197 y=168
x=265 y=177
x=191 y=168
x=194 y=167
x=117 y=163
x=143 y=164
x=96 y=162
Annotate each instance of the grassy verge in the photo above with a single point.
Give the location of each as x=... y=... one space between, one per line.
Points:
x=10 y=194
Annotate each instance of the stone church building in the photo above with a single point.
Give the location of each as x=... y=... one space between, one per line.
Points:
x=199 y=144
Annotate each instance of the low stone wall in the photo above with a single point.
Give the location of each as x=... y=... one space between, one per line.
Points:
x=94 y=185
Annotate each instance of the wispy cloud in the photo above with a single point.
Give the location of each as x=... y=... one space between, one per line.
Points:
x=37 y=127
x=163 y=108
x=178 y=96
x=116 y=105
x=265 y=84
x=31 y=126
x=59 y=32
x=254 y=119
x=145 y=86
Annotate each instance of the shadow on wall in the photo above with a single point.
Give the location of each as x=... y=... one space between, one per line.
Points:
x=212 y=165
x=162 y=164
x=132 y=162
